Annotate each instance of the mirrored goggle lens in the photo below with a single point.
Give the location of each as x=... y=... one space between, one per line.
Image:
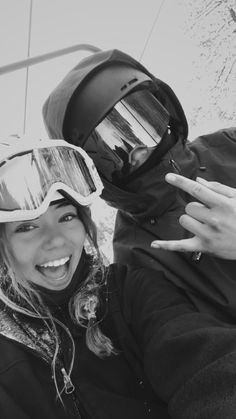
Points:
x=137 y=121
x=27 y=178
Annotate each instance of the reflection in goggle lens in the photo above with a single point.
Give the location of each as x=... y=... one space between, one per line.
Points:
x=137 y=122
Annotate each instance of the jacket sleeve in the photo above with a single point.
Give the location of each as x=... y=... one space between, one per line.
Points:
x=189 y=356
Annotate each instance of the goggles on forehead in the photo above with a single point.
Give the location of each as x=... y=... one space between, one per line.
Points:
x=30 y=177
x=127 y=135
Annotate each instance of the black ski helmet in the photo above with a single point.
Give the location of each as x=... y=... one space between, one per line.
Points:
x=96 y=97
x=113 y=76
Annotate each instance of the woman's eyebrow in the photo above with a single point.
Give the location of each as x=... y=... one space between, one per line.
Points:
x=27 y=221
x=62 y=203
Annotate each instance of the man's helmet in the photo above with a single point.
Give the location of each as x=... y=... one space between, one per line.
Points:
x=113 y=108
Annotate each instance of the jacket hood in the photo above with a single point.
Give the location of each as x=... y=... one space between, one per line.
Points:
x=54 y=109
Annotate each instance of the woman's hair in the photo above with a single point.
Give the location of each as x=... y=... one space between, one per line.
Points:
x=21 y=296
x=86 y=301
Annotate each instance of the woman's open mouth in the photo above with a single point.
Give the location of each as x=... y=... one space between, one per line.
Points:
x=55 y=269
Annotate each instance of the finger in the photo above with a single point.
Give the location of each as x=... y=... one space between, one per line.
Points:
x=201 y=192
x=203 y=214
x=195 y=227
x=185 y=245
x=198 y=211
x=218 y=187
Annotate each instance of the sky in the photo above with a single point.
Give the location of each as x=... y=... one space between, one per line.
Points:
x=125 y=24
x=153 y=31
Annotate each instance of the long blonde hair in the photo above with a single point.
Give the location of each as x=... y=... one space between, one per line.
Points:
x=21 y=296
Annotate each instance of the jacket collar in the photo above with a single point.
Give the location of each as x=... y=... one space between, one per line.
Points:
x=28 y=332
x=149 y=195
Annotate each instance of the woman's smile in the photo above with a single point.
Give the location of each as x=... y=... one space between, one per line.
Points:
x=55 y=269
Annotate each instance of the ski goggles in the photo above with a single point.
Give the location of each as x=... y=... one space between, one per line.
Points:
x=129 y=132
x=30 y=177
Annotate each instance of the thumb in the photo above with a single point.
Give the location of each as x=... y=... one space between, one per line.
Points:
x=186 y=245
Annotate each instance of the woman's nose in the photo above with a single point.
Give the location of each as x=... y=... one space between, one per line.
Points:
x=53 y=238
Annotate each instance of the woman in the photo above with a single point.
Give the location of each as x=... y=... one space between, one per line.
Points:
x=78 y=340
x=66 y=350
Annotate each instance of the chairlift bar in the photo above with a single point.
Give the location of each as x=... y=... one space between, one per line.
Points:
x=40 y=58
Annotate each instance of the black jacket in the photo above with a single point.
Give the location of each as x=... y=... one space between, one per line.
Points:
x=187 y=357
x=113 y=387
x=154 y=213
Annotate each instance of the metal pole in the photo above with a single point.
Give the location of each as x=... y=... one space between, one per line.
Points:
x=45 y=57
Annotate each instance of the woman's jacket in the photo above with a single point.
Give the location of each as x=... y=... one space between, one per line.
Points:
x=111 y=387
x=169 y=355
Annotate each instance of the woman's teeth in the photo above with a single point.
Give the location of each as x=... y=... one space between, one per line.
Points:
x=55 y=269
x=55 y=263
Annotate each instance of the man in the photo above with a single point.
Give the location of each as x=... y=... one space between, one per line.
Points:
x=135 y=130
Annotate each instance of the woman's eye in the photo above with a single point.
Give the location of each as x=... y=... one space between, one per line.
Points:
x=24 y=228
x=68 y=217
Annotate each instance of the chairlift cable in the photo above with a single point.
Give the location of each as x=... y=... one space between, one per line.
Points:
x=27 y=67
x=152 y=29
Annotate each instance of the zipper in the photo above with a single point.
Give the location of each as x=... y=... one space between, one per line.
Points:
x=69 y=389
x=69 y=386
x=76 y=402
x=175 y=166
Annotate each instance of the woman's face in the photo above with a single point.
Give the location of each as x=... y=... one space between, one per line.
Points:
x=46 y=251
